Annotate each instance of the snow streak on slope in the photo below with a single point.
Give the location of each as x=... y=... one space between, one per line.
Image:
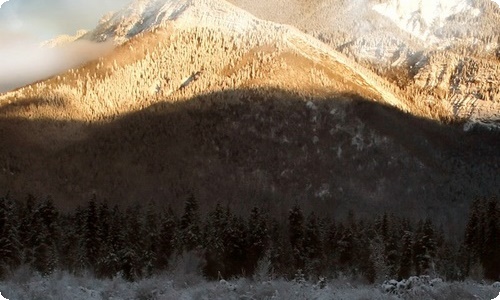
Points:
x=423 y=17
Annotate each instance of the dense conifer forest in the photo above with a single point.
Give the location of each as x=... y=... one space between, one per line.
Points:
x=143 y=239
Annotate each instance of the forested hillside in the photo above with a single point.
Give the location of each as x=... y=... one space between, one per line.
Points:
x=142 y=240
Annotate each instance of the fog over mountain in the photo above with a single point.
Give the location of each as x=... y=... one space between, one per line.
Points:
x=46 y=19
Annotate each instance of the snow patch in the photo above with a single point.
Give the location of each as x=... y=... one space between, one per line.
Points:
x=420 y=18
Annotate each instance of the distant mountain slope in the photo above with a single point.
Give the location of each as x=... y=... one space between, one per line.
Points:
x=247 y=147
x=399 y=39
x=173 y=50
x=240 y=110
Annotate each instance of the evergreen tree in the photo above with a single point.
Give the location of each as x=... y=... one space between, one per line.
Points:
x=166 y=239
x=111 y=262
x=312 y=245
x=91 y=237
x=104 y=265
x=258 y=238
x=44 y=240
x=346 y=247
x=70 y=243
x=151 y=237
x=235 y=245
x=490 y=257
x=424 y=247
x=405 y=261
x=331 y=247
x=383 y=226
x=365 y=259
x=80 y=223
x=392 y=253
x=279 y=252
x=190 y=225
x=133 y=244
x=474 y=238
x=296 y=235
x=25 y=230
x=10 y=246
x=215 y=243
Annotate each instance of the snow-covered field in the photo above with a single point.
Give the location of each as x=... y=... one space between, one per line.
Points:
x=24 y=285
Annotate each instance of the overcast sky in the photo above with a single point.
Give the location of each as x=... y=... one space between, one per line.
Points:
x=44 y=19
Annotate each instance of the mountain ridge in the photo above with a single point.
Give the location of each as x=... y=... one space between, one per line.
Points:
x=262 y=46
x=241 y=116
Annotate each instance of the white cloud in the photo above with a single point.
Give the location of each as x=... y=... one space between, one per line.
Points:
x=23 y=61
x=24 y=24
x=48 y=18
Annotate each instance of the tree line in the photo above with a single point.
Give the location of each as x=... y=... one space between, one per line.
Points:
x=140 y=241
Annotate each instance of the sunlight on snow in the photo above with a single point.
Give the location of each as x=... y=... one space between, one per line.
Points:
x=419 y=18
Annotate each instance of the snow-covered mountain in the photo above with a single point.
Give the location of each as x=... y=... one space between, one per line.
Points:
x=423 y=18
x=162 y=43
x=143 y=15
x=202 y=96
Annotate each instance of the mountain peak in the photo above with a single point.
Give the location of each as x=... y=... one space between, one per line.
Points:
x=144 y=15
x=424 y=17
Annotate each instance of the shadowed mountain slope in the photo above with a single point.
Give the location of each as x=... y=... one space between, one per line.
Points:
x=244 y=147
x=237 y=110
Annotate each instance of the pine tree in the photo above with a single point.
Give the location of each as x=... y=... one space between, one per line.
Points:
x=133 y=244
x=392 y=253
x=424 y=247
x=25 y=229
x=112 y=261
x=215 y=244
x=346 y=247
x=80 y=222
x=490 y=257
x=296 y=235
x=279 y=252
x=366 y=261
x=70 y=243
x=405 y=261
x=312 y=245
x=166 y=239
x=258 y=238
x=91 y=237
x=10 y=246
x=331 y=246
x=104 y=266
x=383 y=226
x=151 y=237
x=190 y=225
x=235 y=245
x=473 y=240
x=44 y=240
x=474 y=236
